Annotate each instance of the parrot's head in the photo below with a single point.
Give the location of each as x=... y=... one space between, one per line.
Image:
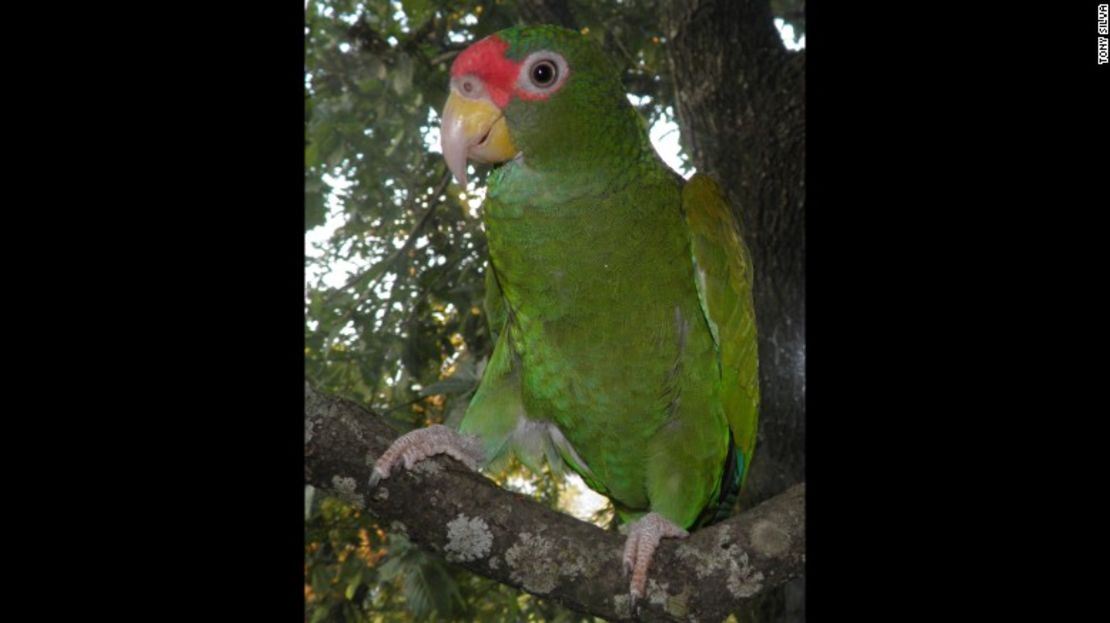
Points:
x=542 y=94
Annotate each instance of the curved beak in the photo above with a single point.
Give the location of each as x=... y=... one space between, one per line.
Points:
x=474 y=129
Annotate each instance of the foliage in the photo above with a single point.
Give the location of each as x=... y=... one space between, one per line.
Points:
x=394 y=267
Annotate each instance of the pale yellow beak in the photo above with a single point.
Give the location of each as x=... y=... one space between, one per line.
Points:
x=474 y=129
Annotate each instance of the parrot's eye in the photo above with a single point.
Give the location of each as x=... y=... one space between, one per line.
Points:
x=544 y=73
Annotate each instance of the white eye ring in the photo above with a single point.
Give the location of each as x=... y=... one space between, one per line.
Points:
x=526 y=81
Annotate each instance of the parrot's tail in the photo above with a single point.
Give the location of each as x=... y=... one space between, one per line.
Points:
x=731 y=480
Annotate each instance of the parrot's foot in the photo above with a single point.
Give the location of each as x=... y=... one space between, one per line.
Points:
x=643 y=538
x=415 y=446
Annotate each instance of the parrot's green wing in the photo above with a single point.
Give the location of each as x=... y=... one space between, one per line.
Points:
x=496 y=414
x=723 y=270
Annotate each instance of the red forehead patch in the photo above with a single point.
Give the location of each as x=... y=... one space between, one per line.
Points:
x=486 y=60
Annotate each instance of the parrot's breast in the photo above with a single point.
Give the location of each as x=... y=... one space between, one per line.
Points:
x=604 y=315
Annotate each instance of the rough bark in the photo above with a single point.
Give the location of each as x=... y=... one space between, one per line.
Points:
x=505 y=536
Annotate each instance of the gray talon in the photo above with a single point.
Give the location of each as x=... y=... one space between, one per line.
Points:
x=376 y=477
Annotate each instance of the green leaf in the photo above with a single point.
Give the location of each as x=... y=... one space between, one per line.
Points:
x=392 y=568
x=311 y=155
x=315 y=212
x=377 y=69
x=336 y=156
x=395 y=142
x=352 y=585
x=402 y=75
x=417 y=11
x=320 y=615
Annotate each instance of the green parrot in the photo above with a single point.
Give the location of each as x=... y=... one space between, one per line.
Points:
x=620 y=295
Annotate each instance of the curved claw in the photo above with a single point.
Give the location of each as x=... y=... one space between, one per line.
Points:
x=376 y=477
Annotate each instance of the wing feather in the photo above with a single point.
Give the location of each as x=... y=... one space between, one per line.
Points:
x=723 y=270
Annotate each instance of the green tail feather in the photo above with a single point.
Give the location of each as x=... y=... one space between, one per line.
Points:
x=731 y=480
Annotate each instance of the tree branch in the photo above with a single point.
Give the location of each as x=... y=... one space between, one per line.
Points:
x=512 y=539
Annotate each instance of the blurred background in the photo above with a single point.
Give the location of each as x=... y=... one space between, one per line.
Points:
x=394 y=259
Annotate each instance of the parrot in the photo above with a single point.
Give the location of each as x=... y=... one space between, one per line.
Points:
x=619 y=296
